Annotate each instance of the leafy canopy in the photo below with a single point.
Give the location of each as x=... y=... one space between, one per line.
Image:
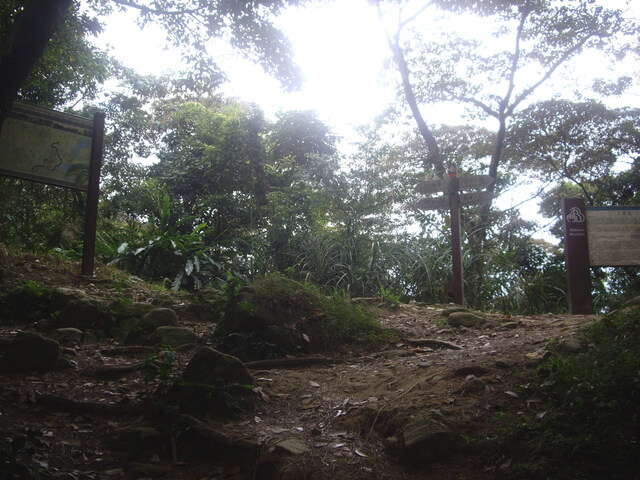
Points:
x=191 y=25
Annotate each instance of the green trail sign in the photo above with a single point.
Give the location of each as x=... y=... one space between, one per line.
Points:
x=56 y=148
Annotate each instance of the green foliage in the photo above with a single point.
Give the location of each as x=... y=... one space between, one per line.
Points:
x=389 y=297
x=282 y=303
x=71 y=68
x=34 y=289
x=30 y=302
x=592 y=424
x=192 y=24
x=349 y=324
x=231 y=287
x=559 y=140
x=39 y=218
x=212 y=163
x=160 y=250
x=161 y=365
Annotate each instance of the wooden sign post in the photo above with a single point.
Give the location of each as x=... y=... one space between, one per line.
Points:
x=453 y=201
x=57 y=148
x=93 y=192
x=576 y=253
x=596 y=237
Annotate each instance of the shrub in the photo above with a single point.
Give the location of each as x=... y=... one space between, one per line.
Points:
x=592 y=428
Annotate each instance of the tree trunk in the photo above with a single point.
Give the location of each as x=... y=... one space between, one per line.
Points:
x=25 y=43
x=434 y=158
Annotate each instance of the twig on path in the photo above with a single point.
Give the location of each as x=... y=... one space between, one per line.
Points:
x=433 y=343
x=289 y=362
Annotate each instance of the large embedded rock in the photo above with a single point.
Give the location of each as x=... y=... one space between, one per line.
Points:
x=61 y=296
x=124 y=317
x=465 y=319
x=209 y=366
x=424 y=441
x=569 y=346
x=277 y=316
x=173 y=336
x=69 y=336
x=454 y=309
x=82 y=313
x=150 y=321
x=213 y=382
x=30 y=302
x=122 y=310
x=28 y=352
x=291 y=447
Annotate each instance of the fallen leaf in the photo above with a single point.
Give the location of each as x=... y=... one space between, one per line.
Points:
x=360 y=453
x=114 y=471
x=71 y=443
x=512 y=394
x=263 y=395
x=540 y=354
x=278 y=429
x=314 y=384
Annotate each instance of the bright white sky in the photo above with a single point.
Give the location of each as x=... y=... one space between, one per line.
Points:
x=340 y=46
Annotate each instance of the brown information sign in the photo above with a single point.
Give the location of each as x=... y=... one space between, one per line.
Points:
x=46 y=146
x=614 y=236
x=576 y=251
x=60 y=149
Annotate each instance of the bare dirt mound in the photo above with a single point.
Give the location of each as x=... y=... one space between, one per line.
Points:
x=425 y=406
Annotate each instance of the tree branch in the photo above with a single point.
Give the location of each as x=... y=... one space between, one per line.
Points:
x=151 y=11
x=434 y=157
x=532 y=197
x=528 y=91
x=474 y=101
x=516 y=58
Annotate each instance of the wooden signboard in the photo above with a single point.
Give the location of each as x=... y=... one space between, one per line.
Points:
x=46 y=146
x=596 y=236
x=452 y=185
x=614 y=236
x=57 y=148
x=465 y=183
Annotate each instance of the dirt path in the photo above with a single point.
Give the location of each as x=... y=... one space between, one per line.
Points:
x=341 y=419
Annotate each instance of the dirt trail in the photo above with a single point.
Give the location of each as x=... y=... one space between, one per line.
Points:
x=344 y=413
x=336 y=419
